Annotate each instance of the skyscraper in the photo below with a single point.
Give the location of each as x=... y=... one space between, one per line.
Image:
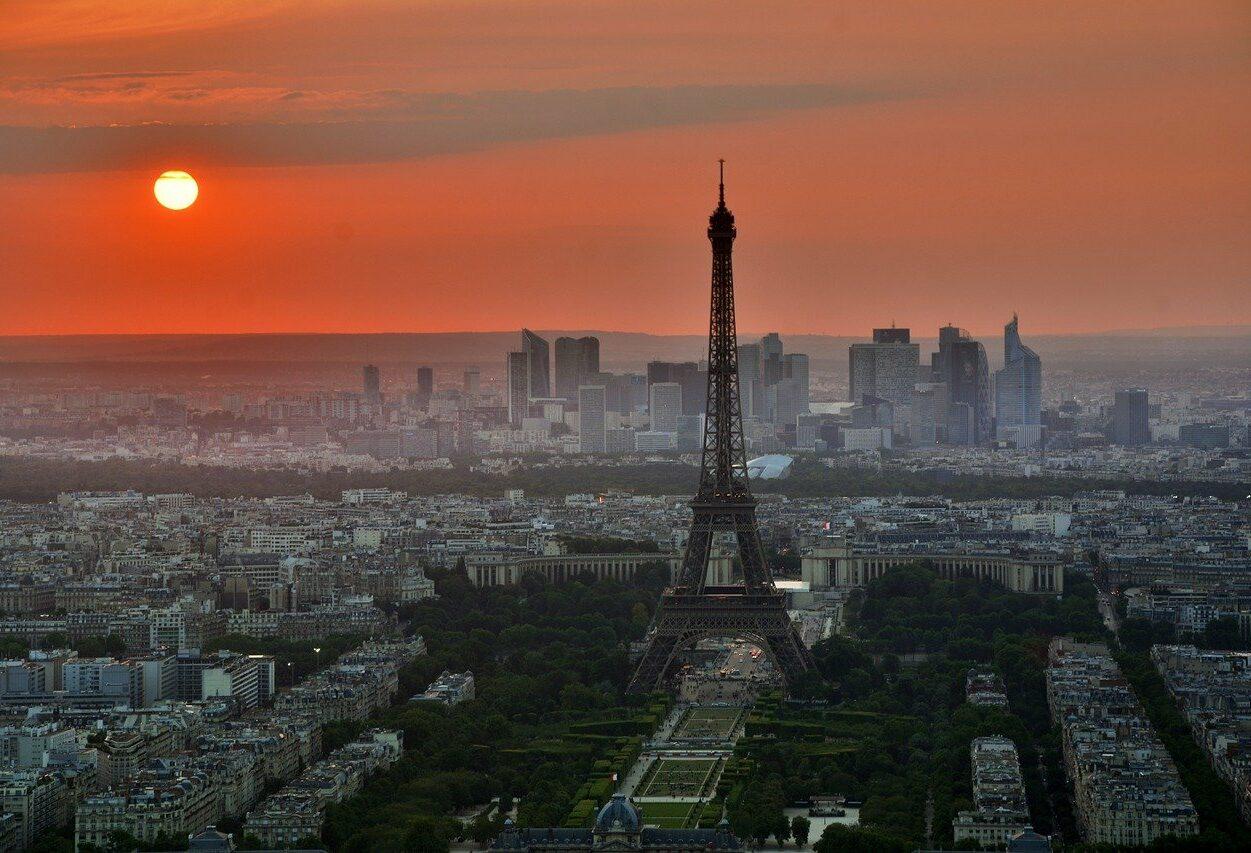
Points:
x=892 y=336
x=592 y=417
x=751 y=389
x=1018 y=391
x=886 y=368
x=425 y=381
x=795 y=369
x=373 y=384
x=538 y=358
x=471 y=380
x=961 y=363
x=969 y=384
x=624 y=393
x=770 y=358
x=1130 y=417
x=577 y=360
x=784 y=400
x=666 y=406
x=929 y=409
x=688 y=375
x=517 y=373
x=947 y=336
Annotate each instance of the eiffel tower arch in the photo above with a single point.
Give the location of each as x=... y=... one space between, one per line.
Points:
x=693 y=609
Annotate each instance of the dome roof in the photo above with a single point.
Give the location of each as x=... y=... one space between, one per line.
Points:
x=617 y=814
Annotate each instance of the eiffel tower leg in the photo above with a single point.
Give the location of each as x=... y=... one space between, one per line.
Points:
x=750 y=551
x=695 y=562
x=650 y=674
x=792 y=656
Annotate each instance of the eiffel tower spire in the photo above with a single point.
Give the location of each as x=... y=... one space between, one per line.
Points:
x=723 y=500
x=723 y=504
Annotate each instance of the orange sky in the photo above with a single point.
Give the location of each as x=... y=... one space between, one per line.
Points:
x=377 y=165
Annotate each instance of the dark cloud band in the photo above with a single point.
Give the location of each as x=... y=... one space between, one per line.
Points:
x=417 y=125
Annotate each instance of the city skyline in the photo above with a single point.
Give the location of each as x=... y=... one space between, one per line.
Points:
x=779 y=571
x=451 y=168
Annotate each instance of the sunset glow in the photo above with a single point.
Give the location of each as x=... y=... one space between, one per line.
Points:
x=385 y=166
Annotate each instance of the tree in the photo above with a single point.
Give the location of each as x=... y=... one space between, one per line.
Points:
x=800 y=827
x=838 y=838
x=483 y=828
x=12 y=647
x=1222 y=634
x=781 y=828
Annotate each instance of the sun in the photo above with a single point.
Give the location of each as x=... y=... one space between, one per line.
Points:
x=176 y=190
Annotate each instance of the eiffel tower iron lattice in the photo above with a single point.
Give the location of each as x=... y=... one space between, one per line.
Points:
x=693 y=609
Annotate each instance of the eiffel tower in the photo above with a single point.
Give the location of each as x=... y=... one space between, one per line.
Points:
x=693 y=609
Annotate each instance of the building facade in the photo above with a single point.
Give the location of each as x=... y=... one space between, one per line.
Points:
x=1018 y=392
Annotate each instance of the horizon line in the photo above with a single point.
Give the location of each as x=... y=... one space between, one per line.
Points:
x=1229 y=327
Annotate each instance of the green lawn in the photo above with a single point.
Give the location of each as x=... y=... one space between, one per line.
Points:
x=708 y=723
x=673 y=777
x=668 y=815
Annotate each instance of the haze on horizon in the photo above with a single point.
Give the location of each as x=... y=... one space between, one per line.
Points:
x=375 y=165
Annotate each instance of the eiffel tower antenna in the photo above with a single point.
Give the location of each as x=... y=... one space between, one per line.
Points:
x=694 y=609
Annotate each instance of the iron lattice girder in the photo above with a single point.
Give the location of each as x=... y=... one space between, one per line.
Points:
x=684 y=619
x=693 y=610
x=735 y=516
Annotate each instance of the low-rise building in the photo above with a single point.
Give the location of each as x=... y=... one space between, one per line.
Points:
x=1126 y=789
x=450 y=688
x=1000 y=811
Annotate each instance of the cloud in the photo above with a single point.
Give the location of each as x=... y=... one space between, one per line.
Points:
x=119 y=75
x=417 y=125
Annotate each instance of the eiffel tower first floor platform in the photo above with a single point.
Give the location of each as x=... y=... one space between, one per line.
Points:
x=683 y=619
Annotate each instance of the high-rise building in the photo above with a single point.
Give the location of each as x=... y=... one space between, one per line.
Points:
x=169 y=412
x=970 y=384
x=373 y=384
x=892 y=336
x=762 y=367
x=886 y=368
x=620 y=440
x=929 y=413
x=537 y=355
x=770 y=358
x=795 y=369
x=471 y=380
x=751 y=389
x=1018 y=391
x=577 y=360
x=517 y=373
x=688 y=375
x=1130 y=414
x=425 y=381
x=592 y=419
x=807 y=431
x=784 y=401
x=961 y=363
x=624 y=393
x=665 y=406
x=1205 y=436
